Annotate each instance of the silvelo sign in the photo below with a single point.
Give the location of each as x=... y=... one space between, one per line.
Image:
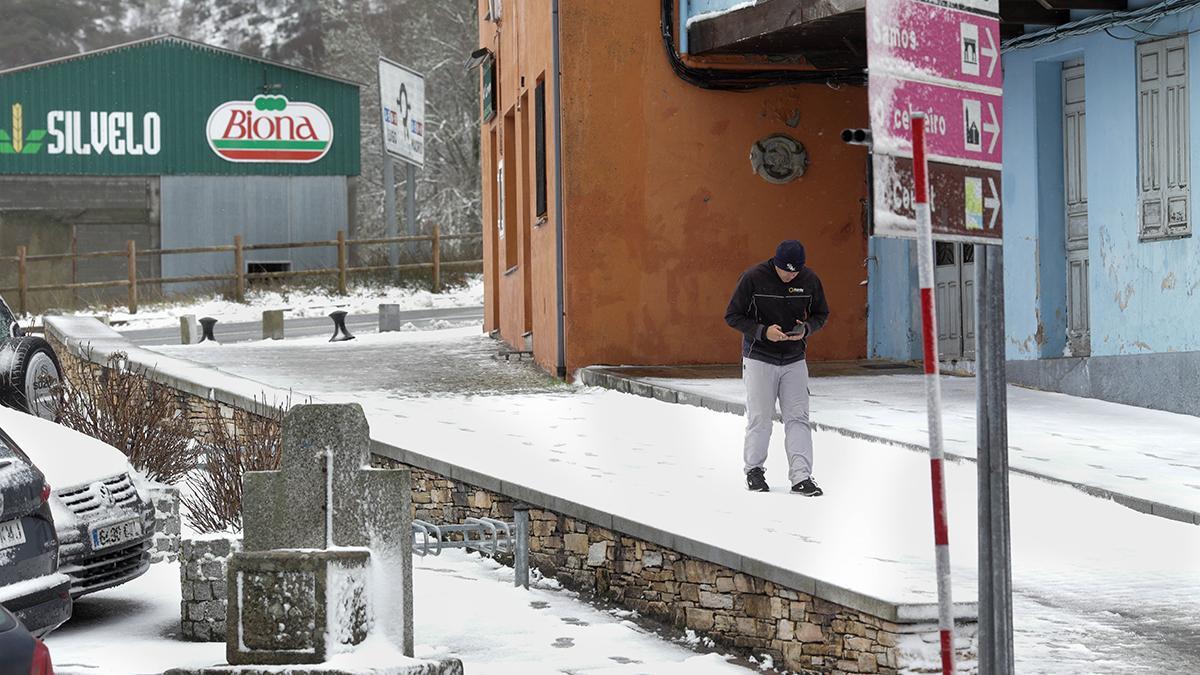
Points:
x=269 y=129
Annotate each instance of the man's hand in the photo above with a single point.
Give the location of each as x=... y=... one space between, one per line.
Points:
x=776 y=334
x=799 y=332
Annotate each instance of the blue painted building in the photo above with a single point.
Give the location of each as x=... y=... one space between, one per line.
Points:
x=1102 y=265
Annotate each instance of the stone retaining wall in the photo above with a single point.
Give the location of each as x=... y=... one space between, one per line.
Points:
x=202 y=567
x=166 y=522
x=801 y=632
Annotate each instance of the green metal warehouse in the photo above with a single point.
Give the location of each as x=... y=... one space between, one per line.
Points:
x=173 y=143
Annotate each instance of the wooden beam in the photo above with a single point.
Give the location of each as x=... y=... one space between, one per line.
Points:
x=1032 y=13
x=722 y=34
x=1104 y=5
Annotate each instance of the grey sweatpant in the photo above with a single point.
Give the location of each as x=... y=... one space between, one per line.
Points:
x=765 y=384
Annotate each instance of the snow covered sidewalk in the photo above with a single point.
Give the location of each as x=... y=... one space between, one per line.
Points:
x=1098 y=587
x=1146 y=459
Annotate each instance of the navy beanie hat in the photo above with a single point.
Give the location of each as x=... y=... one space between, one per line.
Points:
x=789 y=255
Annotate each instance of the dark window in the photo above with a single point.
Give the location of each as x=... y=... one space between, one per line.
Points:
x=255 y=268
x=539 y=136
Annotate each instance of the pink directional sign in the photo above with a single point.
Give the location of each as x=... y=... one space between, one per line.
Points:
x=960 y=124
x=945 y=62
x=932 y=41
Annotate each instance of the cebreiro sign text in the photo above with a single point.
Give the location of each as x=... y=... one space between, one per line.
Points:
x=269 y=129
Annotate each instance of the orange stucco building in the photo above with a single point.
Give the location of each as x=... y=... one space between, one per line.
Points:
x=659 y=209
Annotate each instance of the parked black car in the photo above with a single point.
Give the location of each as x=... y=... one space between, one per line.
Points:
x=29 y=368
x=30 y=585
x=20 y=652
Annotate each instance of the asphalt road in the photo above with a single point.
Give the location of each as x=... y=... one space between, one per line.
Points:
x=308 y=326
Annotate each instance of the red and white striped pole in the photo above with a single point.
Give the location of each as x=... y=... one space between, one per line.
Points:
x=933 y=394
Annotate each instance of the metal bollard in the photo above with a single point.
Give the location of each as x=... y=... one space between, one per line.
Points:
x=389 y=318
x=272 y=324
x=207 y=323
x=189 y=330
x=521 y=555
x=340 y=334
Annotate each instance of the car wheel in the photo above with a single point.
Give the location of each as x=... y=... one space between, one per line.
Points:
x=29 y=374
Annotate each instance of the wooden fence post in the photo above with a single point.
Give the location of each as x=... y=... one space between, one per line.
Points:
x=437 y=259
x=22 y=282
x=133 y=290
x=239 y=269
x=74 y=269
x=341 y=261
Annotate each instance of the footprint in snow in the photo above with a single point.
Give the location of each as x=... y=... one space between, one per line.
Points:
x=573 y=621
x=623 y=660
x=539 y=604
x=564 y=643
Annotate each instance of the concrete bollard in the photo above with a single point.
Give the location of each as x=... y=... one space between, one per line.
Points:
x=272 y=324
x=340 y=334
x=389 y=318
x=189 y=330
x=207 y=324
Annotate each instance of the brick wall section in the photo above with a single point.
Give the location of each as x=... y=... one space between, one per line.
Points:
x=202 y=568
x=802 y=633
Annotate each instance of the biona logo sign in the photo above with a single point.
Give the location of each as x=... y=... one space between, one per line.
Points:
x=269 y=129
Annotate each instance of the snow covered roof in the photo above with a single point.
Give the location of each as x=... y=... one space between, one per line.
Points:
x=178 y=40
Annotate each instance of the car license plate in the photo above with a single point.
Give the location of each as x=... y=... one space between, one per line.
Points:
x=106 y=536
x=11 y=534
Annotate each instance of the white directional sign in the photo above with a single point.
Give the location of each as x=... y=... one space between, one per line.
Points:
x=402 y=105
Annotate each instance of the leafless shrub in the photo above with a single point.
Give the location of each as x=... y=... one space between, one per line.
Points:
x=119 y=404
x=231 y=446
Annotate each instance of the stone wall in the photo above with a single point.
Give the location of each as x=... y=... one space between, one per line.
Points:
x=166 y=522
x=202 y=567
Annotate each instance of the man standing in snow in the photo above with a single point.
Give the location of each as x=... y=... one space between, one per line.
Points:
x=777 y=304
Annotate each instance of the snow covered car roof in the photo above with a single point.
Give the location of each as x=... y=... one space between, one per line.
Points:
x=67 y=457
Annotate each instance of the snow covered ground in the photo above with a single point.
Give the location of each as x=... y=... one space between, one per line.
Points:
x=300 y=303
x=1144 y=453
x=134 y=628
x=1099 y=587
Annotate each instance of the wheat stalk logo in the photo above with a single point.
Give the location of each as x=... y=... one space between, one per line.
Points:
x=18 y=132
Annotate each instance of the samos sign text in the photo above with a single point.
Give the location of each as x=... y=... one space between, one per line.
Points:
x=269 y=129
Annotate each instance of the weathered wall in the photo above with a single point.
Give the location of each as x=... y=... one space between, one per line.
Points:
x=1143 y=295
x=662 y=211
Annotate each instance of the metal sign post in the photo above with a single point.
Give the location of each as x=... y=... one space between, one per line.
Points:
x=933 y=394
x=995 y=567
x=936 y=87
x=402 y=103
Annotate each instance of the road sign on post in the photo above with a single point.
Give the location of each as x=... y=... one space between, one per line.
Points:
x=936 y=124
x=941 y=60
x=402 y=104
x=402 y=109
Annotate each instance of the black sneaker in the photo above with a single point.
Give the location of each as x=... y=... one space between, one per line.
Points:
x=755 y=480
x=808 y=488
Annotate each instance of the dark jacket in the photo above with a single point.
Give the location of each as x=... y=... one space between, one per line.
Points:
x=762 y=299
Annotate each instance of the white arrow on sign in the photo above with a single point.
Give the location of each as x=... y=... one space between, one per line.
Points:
x=993 y=127
x=990 y=52
x=992 y=203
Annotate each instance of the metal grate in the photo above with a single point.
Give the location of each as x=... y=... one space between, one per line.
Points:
x=115 y=491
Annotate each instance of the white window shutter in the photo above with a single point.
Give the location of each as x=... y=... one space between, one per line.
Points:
x=1164 y=185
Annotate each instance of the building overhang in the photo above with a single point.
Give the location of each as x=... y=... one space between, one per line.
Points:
x=833 y=34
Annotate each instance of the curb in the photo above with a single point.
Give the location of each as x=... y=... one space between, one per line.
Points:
x=609 y=377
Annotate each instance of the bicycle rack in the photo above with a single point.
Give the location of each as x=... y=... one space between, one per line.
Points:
x=488 y=536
